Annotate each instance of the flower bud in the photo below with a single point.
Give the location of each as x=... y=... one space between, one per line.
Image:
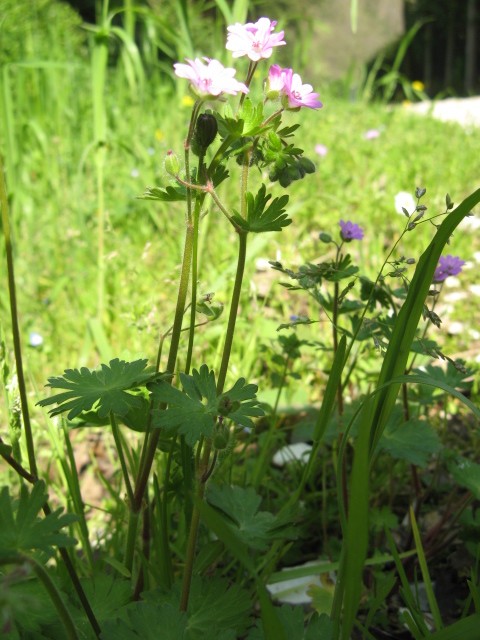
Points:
x=420 y=192
x=205 y=132
x=306 y=165
x=172 y=164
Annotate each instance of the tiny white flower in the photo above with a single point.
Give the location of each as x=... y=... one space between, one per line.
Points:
x=405 y=200
x=35 y=339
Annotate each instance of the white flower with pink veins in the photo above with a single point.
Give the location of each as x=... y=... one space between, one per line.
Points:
x=255 y=40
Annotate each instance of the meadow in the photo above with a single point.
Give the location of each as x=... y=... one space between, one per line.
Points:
x=182 y=520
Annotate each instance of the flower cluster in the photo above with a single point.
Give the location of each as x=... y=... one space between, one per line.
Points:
x=447 y=266
x=210 y=79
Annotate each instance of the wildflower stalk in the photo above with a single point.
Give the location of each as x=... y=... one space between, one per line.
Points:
x=118 y=443
x=151 y=440
x=335 y=315
x=204 y=469
x=17 y=348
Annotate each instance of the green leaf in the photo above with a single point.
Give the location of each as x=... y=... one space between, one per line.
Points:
x=252 y=118
x=194 y=412
x=414 y=441
x=466 y=473
x=464 y=629
x=254 y=528
x=21 y=528
x=105 y=388
x=292 y=620
x=143 y=620
x=448 y=376
x=169 y=194
x=261 y=218
x=215 y=607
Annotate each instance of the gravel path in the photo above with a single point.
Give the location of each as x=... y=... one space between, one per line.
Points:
x=466 y=111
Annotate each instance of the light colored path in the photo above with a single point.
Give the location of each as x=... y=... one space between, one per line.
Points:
x=466 y=111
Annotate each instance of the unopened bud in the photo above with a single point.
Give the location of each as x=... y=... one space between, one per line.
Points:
x=420 y=192
x=307 y=165
x=172 y=164
x=205 y=132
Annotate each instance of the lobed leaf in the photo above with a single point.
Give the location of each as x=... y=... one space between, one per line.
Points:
x=169 y=194
x=21 y=528
x=262 y=218
x=194 y=412
x=107 y=389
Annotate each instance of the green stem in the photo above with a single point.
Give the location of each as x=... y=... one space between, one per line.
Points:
x=202 y=477
x=232 y=318
x=204 y=469
x=121 y=457
x=265 y=449
x=15 y=325
x=151 y=440
x=53 y=592
x=196 y=221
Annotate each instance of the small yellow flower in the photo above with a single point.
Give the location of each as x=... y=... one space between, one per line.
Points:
x=187 y=101
x=159 y=135
x=417 y=85
x=406 y=103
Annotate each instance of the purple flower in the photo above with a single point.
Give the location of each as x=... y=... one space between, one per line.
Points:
x=209 y=80
x=254 y=40
x=321 y=149
x=447 y=266
x=371 y=134
x=350 y=231
x=288 y=85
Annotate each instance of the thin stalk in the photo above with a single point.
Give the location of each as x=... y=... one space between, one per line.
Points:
x=335 y=315
x=194 y=526
x=17 y=348
x=196 y=222
x=55 y=596
x=99 y=70
x=121 y=457
x=265 y=449
x=205 y=470
x=237 y=288
x=151 y=439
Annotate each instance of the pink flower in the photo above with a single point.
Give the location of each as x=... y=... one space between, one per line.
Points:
x=275 y=82
x=285 y=83
x=321 y=149
x=371 y=134
x=254 y=40
x=209 y=80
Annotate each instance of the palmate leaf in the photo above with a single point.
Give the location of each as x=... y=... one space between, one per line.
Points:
x=260 y=217
x=168 y=194
x=144 y=620
x=252 y=527
x=193 y=412
x=105 y=388
x=216 y=609
x=21 y=528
